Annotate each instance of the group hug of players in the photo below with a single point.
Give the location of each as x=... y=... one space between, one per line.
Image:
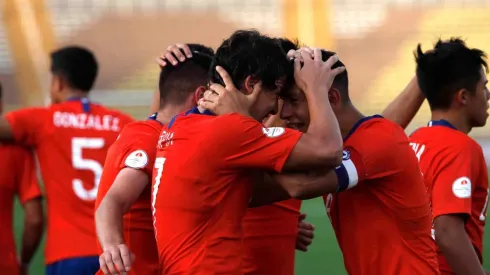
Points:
x=212 y=182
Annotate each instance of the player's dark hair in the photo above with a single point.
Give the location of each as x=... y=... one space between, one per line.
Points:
x=194 y=47
x=250 y=53
x=341 y=81
x=288 y=44
x=176 y=83
x=447 y=68
x=77 y=65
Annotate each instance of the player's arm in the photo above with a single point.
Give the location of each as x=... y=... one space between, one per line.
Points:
x=31 y=200
x=22 y=126
x=452 y=239
x=406 y=105
x=451 y=207
x=125 y=190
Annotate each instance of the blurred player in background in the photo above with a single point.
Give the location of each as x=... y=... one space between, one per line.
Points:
x=71 y=138
x=452 y=77
x=207 y=165
x=18 y=177
x=127 y=172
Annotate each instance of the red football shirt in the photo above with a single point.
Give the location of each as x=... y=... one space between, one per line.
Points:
x=18 y=177
x=455 y=174
x=383 y=222
x=269 y=238
x=71 y=140
x=135 y=148
x=203 y=180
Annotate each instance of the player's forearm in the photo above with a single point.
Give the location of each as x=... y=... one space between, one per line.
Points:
x=459 y=252
x=406 y=105
x=31 y=238
x=109 y=222
x=324 y=127
x=267 y=191
x=308 y=186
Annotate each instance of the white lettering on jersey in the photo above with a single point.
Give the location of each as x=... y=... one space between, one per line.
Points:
x=165 y=139
x=86 y=121
x=137 y=159
x=462 y=188
x=418 y=149
x=273 y=132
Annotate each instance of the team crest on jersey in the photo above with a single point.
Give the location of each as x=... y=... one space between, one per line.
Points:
x=137 y=159
x=273 y=132
x=462 y=188
x=345 y=155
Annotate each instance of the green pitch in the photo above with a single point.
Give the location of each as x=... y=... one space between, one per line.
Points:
x=323 y=257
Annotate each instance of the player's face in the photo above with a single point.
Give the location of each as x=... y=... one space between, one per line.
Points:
x=266 y=103
x=295 y=110
x=478 y=104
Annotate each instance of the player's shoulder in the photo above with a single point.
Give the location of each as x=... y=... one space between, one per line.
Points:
x=447 y=139
x=125 y=118
x=233 y=120
x=143 y=126
x=374 y=130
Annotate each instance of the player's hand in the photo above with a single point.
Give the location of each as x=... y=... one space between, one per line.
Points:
x=305 y=234
x=225 y=100
x=174 y=54
x=313 y=72
x=292 y=54
x=116 y=259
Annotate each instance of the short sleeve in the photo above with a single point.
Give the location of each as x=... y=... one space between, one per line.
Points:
x=27 y=124
x=453 y=183
x=140 y=154
x=27 y=180
x=243 y=142
x=368 y=161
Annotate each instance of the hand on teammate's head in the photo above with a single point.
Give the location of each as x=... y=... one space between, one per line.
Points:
x=174 y=54
x=225 y=100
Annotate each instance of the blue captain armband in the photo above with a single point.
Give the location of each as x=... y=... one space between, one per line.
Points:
x=347 y=176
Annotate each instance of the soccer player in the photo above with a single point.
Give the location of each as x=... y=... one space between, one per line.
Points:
x=452 y=77
x=18 y=177
x=124 y=187
x=71 y=138
x=206 y=165
x=386 y=187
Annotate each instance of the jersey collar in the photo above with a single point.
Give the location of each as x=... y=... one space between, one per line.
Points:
x=194 y=110
x=441 y=122
x=84 y=101
x=358 y=123
x=154 y=118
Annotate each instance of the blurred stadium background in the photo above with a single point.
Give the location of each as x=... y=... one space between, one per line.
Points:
x=374 y=38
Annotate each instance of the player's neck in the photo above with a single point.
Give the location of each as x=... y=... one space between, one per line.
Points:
x=456 y=119
x=74 y=94
x=168 y=112
x=347 y=118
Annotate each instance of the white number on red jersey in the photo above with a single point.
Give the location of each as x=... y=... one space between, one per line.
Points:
x=79 y=163
x=159 y=163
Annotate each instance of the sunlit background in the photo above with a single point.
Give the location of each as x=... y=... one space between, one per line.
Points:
x=374 y=38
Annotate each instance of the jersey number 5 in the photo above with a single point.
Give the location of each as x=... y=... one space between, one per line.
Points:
x=77 y=145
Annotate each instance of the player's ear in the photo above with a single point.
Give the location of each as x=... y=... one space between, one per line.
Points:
x=334 y=97
x=462 y=96
x=249 y=84
x=199 y=93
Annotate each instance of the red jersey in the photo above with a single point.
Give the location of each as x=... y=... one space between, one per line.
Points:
x=135 y=148
x=18 y=177
x=270 y=234
x=203 y=181
x=455 y=174
x=71 y=140
x=383 y=223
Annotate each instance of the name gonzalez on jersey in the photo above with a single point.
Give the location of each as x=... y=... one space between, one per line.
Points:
x=86 y=121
